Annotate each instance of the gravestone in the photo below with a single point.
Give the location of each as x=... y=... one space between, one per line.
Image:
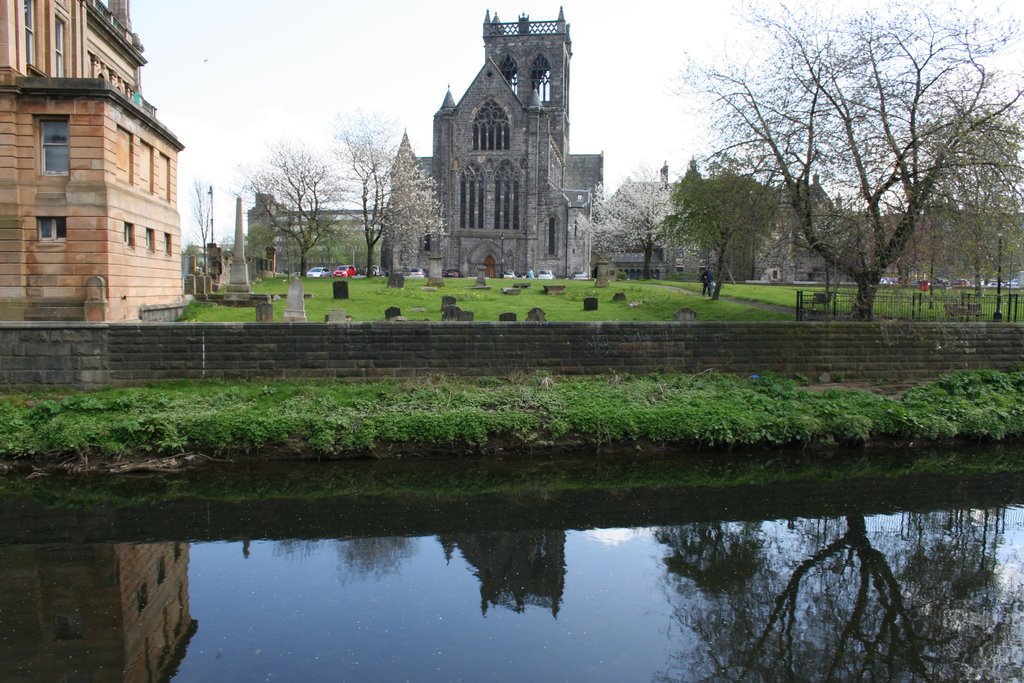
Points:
x=686 y=315
x=396 y=281
x=337 y=315
x=507 y=317
x=619 y=296
x=434 y=277
x=295 y=308
x=536 y=315
x=510 y=291
x=481 y=278
x=465 y=316
x=238 y=283
x=392 y=312
x=340 y=288
x=554 y=289
x=447 y=301
x=450 y=312
x=264 y=312
x=590 y=303
x=602 y=274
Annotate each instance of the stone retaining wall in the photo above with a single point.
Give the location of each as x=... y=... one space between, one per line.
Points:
x=92 y=355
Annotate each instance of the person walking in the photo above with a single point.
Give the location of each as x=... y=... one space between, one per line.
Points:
x=705 y=280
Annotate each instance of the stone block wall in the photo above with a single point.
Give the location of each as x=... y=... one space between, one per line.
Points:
x=85 y=355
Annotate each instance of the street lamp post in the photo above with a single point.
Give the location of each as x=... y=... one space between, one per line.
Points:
x=998 y=315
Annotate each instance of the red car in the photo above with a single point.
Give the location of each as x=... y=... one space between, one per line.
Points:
x=344 y=271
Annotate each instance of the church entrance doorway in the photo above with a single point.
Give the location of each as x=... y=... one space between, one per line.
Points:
x=489 y=267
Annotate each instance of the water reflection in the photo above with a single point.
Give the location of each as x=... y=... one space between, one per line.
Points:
x=99 y=612
x=929 y=588
x=901 y=597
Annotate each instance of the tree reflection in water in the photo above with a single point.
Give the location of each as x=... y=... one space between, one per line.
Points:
x=908 y=597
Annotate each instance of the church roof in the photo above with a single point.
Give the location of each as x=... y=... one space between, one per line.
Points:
x=584 y=170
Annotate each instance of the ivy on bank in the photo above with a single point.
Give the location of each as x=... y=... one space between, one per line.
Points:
x=341 y=419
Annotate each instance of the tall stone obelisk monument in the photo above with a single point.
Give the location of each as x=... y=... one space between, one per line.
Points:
x=238 y=285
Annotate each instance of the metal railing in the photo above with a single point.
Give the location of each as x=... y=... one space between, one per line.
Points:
x=932 y=306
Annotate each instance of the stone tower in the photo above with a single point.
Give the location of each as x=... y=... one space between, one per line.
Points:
x=511 y=192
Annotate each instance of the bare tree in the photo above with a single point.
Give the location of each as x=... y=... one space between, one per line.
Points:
x=884 y=108
x=299 y=192
x=201 y=213
x=368 y=144
x=633 y=218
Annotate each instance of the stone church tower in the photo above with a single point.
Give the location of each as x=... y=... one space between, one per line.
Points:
x=511 y=193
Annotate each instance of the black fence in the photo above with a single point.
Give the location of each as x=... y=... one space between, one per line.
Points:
x=932 y=306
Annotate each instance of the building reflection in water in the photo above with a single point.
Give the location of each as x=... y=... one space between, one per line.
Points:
x=515 y=568
x=97 y=613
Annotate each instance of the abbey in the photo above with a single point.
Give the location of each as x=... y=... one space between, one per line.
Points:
x=511 y=193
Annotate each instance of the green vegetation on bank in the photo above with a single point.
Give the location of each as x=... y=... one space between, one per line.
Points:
x=369 y=297
x=489 y=415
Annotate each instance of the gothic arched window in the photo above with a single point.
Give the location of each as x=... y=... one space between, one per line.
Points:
x=552 y=237
x=506 y=198
x=491 y=128
x=511 y=72
x=540 y=78
x=471 y=198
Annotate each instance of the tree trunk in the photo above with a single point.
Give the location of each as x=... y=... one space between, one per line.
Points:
x=648 y=251
x=719 y=277
x=867 y=287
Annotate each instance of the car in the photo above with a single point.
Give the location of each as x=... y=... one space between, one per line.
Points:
x=545 y=275
x=508 y=274
x=580 y=275
x=451 y=272
x=375 y=271
x=318 y=271
x=345 y=271
x=416 y=272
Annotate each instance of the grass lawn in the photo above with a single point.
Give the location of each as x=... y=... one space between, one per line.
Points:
x=779 y=295
x=369 y=297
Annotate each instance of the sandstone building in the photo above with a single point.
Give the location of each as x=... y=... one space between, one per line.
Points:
x=89 y=225
x=511 y=191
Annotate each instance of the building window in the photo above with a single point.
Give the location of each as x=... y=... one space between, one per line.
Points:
x=511 y=73
x=552 y=245
x=471 y=198
x=55 y=147
x=58 y=48
x=52 y=229
x=491 y=128
x=167 y=243
x=150 y=239
x=129 y=234
x=30 y=32
x=540 y=78
x=506 y=198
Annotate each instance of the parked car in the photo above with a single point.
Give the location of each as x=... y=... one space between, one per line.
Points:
x=545 y=275
x=416 y=272
x=508 y=274
x=375 y=271
x=318 y=271
x=580 y=275
x=345 y=271
x=451 y=272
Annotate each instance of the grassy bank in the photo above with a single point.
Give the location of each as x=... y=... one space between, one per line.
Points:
x=493 y=416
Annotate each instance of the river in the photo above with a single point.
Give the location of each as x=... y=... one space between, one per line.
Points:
x=917 y=578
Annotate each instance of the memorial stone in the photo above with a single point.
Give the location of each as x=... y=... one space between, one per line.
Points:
x=590 y=303
x=619 y=296
x=264 y=312
x=507 y=317
x=295 y=308
x=340 y=288
x=685 y=315
x=396 y=281
x=536 y=315
x=392 y=312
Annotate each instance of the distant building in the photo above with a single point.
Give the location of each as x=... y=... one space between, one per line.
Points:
x=89 y=225
x=511 y=191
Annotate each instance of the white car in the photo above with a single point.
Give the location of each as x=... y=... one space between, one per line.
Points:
x=580 y=275
x=319 y=271
x=416 y=272
x=508 y=274
x=545 y=275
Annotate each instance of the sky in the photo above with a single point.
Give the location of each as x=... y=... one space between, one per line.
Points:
x=230 y=76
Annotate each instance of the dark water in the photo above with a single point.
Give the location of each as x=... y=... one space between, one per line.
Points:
x=917 y=579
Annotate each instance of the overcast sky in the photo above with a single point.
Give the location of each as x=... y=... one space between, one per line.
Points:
x=228 y=76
